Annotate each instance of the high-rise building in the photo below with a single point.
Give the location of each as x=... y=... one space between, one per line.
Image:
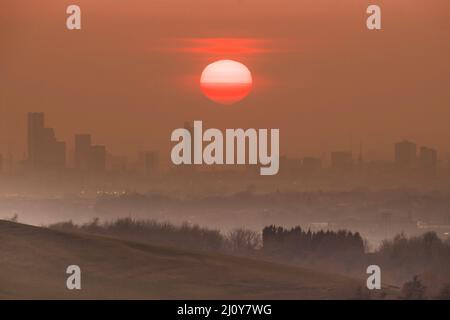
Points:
x=35 y=127
x=289 y=166
x=405 y=155
x=428 y=161
x=341 y=161
x=82 y=151
x=97 y=158
x=44 y=151
x=87 y=156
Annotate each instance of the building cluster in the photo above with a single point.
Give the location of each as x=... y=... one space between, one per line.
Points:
x=89 y=157
x=44 y=150
x=46 y=153
x=408 y=160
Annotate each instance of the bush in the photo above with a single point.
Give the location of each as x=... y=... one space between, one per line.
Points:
x=414 y=290
x=362 y=294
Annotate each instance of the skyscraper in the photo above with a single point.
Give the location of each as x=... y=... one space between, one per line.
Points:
x=88 y=157
x=97 y=158
x=405 y=154
x=82 y=151
x=428 y=161
x=35 y=127
x=44 y=151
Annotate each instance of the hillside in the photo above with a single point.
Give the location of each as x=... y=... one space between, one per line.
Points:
x=33 y=261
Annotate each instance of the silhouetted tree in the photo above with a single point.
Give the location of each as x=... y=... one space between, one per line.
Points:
x=244 y=241
x=297 y=243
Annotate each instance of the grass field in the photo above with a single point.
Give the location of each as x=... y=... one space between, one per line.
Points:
x=33 y=262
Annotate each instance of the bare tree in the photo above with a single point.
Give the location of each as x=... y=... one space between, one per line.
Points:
x=244 y=241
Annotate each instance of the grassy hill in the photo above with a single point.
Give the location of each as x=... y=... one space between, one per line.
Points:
x=33 y=262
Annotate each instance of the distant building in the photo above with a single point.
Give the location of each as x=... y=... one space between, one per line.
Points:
x=44 y=151
x=97 y=159
x=149 y=162
x=378 y=169
x=311 y=164
x=289 y=166
x=88 y=157
x=82 y=151
x=405 y=155
x=341 y=161
x=35 y=126
x=428 y=161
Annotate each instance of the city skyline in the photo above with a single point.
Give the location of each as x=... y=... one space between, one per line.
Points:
x=46 y=151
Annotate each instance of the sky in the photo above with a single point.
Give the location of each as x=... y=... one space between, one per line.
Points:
x=131 y=75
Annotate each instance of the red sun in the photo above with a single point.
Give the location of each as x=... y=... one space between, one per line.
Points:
x=226 y=81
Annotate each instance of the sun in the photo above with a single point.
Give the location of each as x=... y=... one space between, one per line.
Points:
x=226 y=81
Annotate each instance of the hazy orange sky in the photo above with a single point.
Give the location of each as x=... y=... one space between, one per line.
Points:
x=130 y=76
